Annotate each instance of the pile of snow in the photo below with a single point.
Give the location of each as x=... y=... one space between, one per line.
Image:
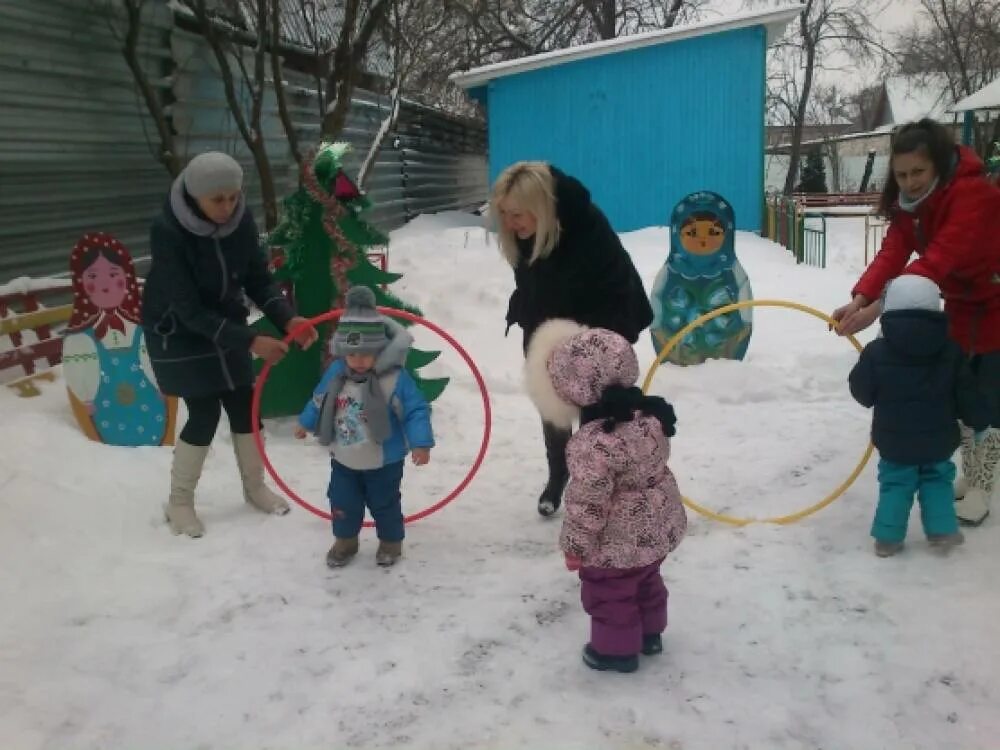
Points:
x=116 y=634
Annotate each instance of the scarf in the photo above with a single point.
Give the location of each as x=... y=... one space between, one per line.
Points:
x=373 y=407
x=108 y=319
x=910 y=205
x=619 y=404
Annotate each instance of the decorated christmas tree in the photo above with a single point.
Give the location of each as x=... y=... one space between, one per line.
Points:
x=323 y=244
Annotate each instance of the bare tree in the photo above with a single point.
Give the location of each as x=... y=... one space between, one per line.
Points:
x=413 y=32
x=959 y=38
x=499 y=30
x=825 y=30
x=166 y=150
x=361 y=20
x=830 y=110
x=223 y=29
x=277 y=73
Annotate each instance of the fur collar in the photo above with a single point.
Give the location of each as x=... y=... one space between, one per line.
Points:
x=538 y=382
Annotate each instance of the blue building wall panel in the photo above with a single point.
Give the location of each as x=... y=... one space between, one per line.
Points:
x=644 y=127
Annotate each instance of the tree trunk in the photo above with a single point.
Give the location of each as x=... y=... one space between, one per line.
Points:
x=347 y=60
x=167 y=152
x=368 y=165
x=268 y=193
x=800 y=115
x=606 y=26
x=279 y=84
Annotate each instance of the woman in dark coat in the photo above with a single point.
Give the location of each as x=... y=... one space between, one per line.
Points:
x=205 y=258
x=568 y=263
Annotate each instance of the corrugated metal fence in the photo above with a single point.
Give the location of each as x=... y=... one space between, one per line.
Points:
x=77 y=144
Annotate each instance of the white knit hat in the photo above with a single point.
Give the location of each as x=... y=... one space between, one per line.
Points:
x=912 y=292
x=211 y=173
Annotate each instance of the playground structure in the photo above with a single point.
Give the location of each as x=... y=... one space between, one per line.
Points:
x=30 y=326
x=798 y=222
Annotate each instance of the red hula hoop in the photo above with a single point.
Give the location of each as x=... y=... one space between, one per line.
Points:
x=333 y=315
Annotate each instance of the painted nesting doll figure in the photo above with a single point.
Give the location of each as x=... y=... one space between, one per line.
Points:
x=701 y=274
x=112 y=390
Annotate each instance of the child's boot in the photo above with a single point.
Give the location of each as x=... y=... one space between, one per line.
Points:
x=944 y=542
x=342 y=552
x=887 y=549
x=603 y=663
x=388 y=553
x=652 y=644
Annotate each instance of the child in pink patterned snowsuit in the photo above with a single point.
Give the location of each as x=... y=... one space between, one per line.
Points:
x=623 y=508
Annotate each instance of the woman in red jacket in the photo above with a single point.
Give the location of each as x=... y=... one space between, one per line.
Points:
x=941 y=207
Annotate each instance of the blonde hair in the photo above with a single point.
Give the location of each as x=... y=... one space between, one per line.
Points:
x=526 y=186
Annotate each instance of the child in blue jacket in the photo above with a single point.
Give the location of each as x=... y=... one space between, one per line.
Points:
x=371 y=413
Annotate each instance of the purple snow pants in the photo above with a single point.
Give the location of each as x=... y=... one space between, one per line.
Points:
x=624 y=605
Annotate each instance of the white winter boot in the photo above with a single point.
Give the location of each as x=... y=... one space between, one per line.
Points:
x=968 y=451
x=251 y=467
x=184 y=475
x=973 y=508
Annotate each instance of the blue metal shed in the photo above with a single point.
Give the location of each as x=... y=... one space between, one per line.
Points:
x=642 y=120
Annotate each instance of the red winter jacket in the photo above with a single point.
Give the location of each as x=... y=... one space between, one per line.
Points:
x=956 y=234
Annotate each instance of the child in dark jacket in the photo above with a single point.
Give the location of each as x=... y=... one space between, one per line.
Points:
x=371 y=413
x=920 y=385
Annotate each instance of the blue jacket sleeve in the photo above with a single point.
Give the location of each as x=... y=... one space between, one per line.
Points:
x=310 y=414
x=416 y=412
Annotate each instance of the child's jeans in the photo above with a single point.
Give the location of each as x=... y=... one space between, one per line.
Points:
x=624 y=605
x=351 y=491
x=933 y=486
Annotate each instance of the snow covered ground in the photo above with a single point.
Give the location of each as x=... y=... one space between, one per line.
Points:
x=115 y=634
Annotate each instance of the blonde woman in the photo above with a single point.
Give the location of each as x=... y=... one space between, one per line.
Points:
x=568 y=263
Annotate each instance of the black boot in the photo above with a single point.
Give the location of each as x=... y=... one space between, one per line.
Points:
x=603 y=663
x=555 y=452
x=652 y=644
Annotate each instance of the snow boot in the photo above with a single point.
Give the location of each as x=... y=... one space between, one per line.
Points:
x=602 y=663
x=342 y=552
x=652 y=644
x=388 y=553
x=945 y=542
x=887 y=549
x=968 y=450
x=974 y=506
x=555 y=454
x=185 y=471
x=255 y=492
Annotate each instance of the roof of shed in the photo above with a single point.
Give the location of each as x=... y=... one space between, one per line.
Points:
x=774 y=21
x=988 y=97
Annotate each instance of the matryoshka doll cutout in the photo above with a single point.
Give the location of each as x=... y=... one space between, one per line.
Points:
x=112 y=390
x=701 y=274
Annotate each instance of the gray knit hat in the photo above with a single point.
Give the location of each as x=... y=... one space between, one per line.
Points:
x=361 y=330
x=211 y=173
x=911 y=292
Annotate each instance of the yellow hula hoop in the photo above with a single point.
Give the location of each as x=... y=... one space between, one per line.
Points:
x=679 y=336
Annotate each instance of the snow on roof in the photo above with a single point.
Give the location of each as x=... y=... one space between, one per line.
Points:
x=912 y=98
x=774 y=21
x=988 y=97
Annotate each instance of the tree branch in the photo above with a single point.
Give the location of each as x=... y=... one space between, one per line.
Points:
x=166 y=153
